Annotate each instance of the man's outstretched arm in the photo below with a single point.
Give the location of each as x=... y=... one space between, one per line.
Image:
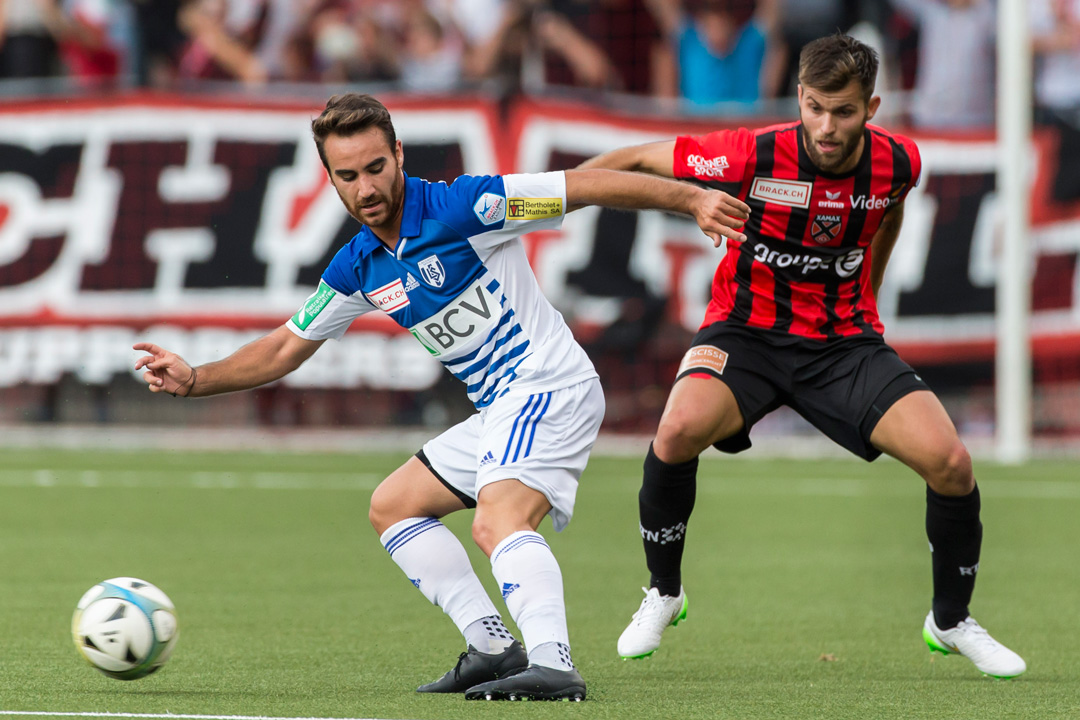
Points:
x=718 y=214
x=267 y=359
x=655 y=158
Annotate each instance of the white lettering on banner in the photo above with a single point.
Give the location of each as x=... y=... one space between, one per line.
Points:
x=127 y=213
x=794 y=193
x=96 y=354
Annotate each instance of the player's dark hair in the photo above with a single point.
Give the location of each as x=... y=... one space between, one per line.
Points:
x=830 y=64
x=349 y=114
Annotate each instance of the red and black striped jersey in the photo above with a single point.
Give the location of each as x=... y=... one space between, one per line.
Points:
x=804 y=268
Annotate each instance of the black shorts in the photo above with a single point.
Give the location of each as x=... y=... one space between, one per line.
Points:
x=841 y=386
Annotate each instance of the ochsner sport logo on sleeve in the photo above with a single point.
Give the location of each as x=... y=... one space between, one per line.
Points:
x=708 y=167
x=314 y=305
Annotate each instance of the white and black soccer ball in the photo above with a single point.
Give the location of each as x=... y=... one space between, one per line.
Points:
x=125 y=627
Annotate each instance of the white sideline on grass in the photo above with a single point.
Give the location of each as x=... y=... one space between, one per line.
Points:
x=164 y=716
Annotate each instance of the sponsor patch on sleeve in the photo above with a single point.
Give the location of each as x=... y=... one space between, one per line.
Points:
x=490 y=208
x=314 y=305
x=704 y=357
x=533 y=208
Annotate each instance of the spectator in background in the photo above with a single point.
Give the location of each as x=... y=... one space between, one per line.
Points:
x=539 y=44
x=627 y=35
x=478 y=23
x=801 y=22
x=159 y=42
x=247 y=40
x=344 y=42
x=431 y=55
x=954 y=81
x=1055 y=26
x=27 y=47
x=721 y=46
x=212 y=52
x=93 y=37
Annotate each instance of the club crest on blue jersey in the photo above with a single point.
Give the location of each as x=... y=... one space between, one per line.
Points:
x=431 y=269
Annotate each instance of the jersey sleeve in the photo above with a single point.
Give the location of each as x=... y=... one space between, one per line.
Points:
x=720 y=159
x=491 y=210
x=914 y=162
x=328 y=312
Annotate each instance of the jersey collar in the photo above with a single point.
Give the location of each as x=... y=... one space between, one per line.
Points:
x=412 y=216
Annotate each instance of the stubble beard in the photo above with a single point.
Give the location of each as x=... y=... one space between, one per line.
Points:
x=847 y=149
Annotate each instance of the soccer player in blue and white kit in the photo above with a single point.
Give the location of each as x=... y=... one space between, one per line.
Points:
x=446 y=262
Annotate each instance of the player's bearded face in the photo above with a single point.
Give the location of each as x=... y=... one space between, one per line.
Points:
x=366 y=172
x=833 y=124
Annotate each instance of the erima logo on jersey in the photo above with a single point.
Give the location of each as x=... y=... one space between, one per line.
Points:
x=708 y=167
x=832 y=200
x=533 y=208
x=845 y=265
x=490 y=208
x=794 y=193
x=473 y=313
x=390 y=297
x=314 y=305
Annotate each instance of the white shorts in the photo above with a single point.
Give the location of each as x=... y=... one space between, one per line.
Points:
x=543 y=440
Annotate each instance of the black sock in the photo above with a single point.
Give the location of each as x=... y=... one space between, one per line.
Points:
x=955 y=534
x=665 y=503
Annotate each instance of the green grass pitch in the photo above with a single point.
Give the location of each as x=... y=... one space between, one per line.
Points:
x=808 y=583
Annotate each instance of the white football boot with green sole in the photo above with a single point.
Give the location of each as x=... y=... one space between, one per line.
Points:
x=973 y=642
x=657 y=613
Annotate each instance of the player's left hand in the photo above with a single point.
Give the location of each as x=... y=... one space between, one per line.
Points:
x=720 y=216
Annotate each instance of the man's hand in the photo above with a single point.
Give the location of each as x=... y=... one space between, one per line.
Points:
x=165 y=371
x=720 y=216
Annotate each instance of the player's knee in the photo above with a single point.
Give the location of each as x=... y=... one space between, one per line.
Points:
x=679 y=439
x=382 y=511
x=952 y=473
x=485 y=534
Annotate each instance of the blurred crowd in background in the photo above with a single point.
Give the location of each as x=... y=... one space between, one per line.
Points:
x=701 y=52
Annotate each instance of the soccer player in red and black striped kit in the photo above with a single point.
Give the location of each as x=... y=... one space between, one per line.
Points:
x=793 y=321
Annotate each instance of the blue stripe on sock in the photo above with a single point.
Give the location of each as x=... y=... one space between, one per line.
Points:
x=532 y=538
x=411 y=532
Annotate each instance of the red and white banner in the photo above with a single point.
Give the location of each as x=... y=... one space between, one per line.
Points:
x=201 y=225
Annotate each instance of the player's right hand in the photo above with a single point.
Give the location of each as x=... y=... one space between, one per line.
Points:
x=720 y=215
x=165 y=371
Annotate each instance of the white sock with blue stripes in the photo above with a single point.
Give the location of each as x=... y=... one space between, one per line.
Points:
x=531 y=584
x=435 y=562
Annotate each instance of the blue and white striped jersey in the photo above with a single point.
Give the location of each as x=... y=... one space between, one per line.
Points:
x=460 y=282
